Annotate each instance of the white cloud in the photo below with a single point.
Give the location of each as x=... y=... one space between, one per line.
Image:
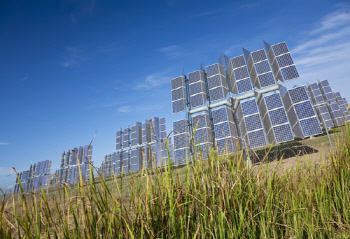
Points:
x=124 y=109
x=332 y=21
x=72 y=57
x=137 y=108
x=172 y=51
x=5 y=171
x=153 y=80
x=4 y=143
x=324 y=52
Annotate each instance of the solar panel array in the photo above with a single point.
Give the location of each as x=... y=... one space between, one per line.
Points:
x=342 y=105
x=203 y=135
x=181 y=141
x=143 y=145
x=322 y=111
x=301 y=114
x=260 y=69
x=36 y=177
x=217 y=84
x=333 y=107
x=275 y=118
x=281 y=61
x=69 y=171
x=119 y=140
x=239 y=75
x=178 y=94
x=197 y=88
x=249 y=121
x=225 y=130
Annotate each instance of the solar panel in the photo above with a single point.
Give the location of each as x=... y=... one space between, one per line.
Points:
x=260 y=70
x=126 y=162
x=275 y=119
x=225 y=129
x=216 y=82
x=249 y=121
x=181 y=141
x=197 y=88
x=281 y=61
x=300 y=113
x=240 y=78
x=136 y=160
x=178 y=90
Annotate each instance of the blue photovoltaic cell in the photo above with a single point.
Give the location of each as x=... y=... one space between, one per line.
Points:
x=238 y=61
x=202 y=136
x=180 y=126
x=201 y=121
x=179 y=106
x=249 y=107
x=196 y=88
x=223 y=130
x=181 y=156
x=298 y=94
x=256 y=139
x=284 y=60
x=266 y=79
x=304 y=110
x=253 y=122
x=278 y=116
x=197 y=100
x=258 y=56
x=283 y=133
x=177 y=94
x=177 y=82
x=215 y=81
x=289 y=72
x=217 y=93
x=280 y=48
x=262 y=67
x=241 y=73
x=273 y=101
x=195 y=76
x=226 y=144
x=310 y=126
x=215 y=69
x=244 y=85
x=219 y=115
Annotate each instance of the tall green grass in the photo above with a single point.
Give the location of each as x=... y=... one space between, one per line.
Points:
x=215 y=198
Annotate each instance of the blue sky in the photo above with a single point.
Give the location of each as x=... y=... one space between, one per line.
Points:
x=69 y=68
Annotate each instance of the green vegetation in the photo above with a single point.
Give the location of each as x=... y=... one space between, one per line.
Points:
x=215 y=198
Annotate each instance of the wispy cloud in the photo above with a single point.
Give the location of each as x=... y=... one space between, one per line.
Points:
x=24 y=78
x=72 y=57
x=4 y=143
x=172 y=51
x=324 y=52
x=202 y=14
x=153 y=80
x=4 y=171
x=138 y=108
x=80 y=9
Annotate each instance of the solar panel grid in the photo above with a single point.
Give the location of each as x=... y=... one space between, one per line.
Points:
x=181 y=141
x=252 y=122
x=262 y=67
x=180 y=126
x=179 y=106
x=283 y=133
x=202 y=136
x=198 y=100
x=284 y=60
x=280 y=48
x=195 y=76
x=278 y=116
x=178 y=94
x=215 y=81
x=258 y=55
x=310 y=126
x=244 y=86
x=298 y=94
x=249 y=107
x=237 y=61
x=266 y=79
x=218 y=93
x=201 y=121
x=178 y=82
x=304 y=110
x=273 y=101
x=256 y=139
x=240 y=73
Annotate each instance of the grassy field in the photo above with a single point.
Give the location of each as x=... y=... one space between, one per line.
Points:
x=299 y=189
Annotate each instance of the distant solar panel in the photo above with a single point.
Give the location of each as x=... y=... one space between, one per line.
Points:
x=178 y=91
x=239 y=75
x=300 y=112
x=281 y=61
x=126 y=162
x=275 y=119
x=216 y=82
